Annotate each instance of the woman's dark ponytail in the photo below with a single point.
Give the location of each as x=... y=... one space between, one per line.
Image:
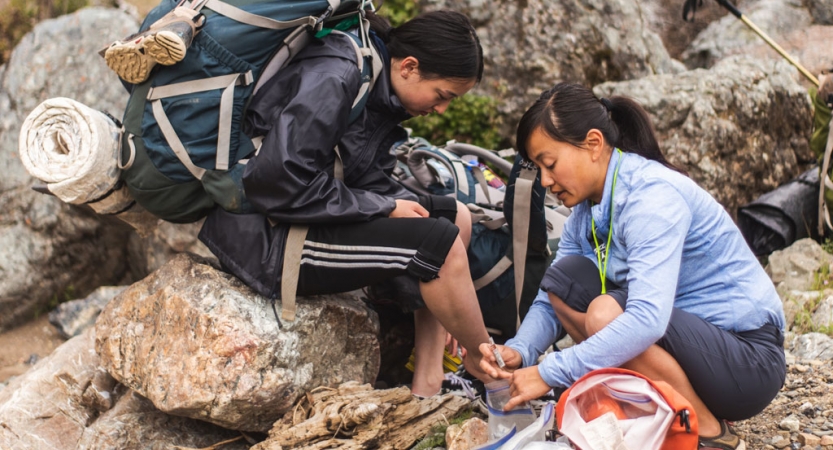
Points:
x=568 y=111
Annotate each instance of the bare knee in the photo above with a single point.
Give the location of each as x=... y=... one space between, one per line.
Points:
x=456 y=261
x=601 y=311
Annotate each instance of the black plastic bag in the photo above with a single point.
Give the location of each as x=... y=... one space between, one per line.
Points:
x=778 y=218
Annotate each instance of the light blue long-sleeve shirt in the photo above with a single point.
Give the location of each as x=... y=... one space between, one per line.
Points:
x=673 y=246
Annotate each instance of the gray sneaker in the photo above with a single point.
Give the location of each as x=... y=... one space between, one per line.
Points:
x=165 y=42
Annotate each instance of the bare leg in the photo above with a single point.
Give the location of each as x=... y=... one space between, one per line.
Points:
x=429 y=340
x=428 y=354
x=571 y=320
x=463 y=222
x=452 y=300
x=655 y=363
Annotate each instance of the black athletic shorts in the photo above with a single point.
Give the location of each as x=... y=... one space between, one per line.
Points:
x=735 y=374
x=344 y=257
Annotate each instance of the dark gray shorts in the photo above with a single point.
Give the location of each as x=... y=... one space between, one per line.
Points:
x=735 y=374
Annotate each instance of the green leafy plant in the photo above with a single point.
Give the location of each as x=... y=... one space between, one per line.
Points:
x=472 y=119
x=822 y=279
x=436 y=437
x=18 y=17
x=827 y=245
x=398 y=11
x=803 y=322
x=65 y=296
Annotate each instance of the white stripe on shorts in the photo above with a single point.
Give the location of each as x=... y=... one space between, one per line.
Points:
x=354 y=264
x=362 y=256
x=312 y=254
x=360 y=248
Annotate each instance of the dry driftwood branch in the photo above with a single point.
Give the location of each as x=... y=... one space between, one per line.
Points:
x=356 y=416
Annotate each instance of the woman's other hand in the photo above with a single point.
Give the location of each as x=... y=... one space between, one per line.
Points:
x=408 y=208
x=511 y=358
x=524 y=385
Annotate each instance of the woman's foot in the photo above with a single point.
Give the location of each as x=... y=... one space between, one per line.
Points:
x=726 y=440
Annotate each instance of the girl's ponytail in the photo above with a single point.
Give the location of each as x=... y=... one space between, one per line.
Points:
x=380 y=26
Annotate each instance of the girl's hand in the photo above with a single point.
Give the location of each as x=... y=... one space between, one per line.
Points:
x=452 y=346
x=408 y=208
x=488 y=364
x=524 y=385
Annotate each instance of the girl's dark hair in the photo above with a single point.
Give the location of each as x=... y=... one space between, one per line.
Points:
x=444 y=43
x=568 y=111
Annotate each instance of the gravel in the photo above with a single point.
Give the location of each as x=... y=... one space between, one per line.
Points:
x=801 y=415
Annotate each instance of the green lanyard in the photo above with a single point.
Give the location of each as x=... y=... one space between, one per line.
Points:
x=603 y=263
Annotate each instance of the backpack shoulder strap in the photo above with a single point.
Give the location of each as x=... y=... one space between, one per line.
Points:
x=370 y=65
x=242 y=16
x=520 y=229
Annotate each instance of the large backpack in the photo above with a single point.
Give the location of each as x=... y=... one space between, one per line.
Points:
x=183 y=149
x=520 y=220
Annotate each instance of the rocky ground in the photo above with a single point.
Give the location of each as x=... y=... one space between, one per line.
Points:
x=23 y=346
x=801 y=416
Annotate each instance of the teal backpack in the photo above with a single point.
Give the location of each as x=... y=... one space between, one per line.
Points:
x=183 y=150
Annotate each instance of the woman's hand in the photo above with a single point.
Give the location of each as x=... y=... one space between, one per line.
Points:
x=488 y=364
x=524 y=385
x=408 y=208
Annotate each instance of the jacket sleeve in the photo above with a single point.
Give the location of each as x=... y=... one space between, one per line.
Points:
x=290 y=179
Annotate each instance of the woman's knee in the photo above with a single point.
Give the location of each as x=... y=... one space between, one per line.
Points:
x=602 y=310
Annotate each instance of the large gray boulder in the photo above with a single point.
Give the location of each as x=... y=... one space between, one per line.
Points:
x=729 y=36
x=740 y=129
x=48 y=248
x=67 y=401
x=198 y=343
x=530 y=45
x=821 y=10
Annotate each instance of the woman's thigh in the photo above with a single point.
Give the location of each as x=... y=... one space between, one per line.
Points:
x=735 y=374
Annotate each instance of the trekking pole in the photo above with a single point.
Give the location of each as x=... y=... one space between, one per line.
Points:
x=773 y=44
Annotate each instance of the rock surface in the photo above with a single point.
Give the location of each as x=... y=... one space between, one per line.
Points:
x=530 y=45
x=730 y=36
x=198 y=343
x=740 y=129
x=74 y=317
x=46 y=247
x=67 y=401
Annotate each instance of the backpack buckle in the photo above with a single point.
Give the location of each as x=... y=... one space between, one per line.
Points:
x=684 y=420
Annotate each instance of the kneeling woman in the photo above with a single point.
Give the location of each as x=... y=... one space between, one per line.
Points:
x=651 y=273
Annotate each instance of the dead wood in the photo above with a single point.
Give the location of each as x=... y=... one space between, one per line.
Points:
x=356 y=416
